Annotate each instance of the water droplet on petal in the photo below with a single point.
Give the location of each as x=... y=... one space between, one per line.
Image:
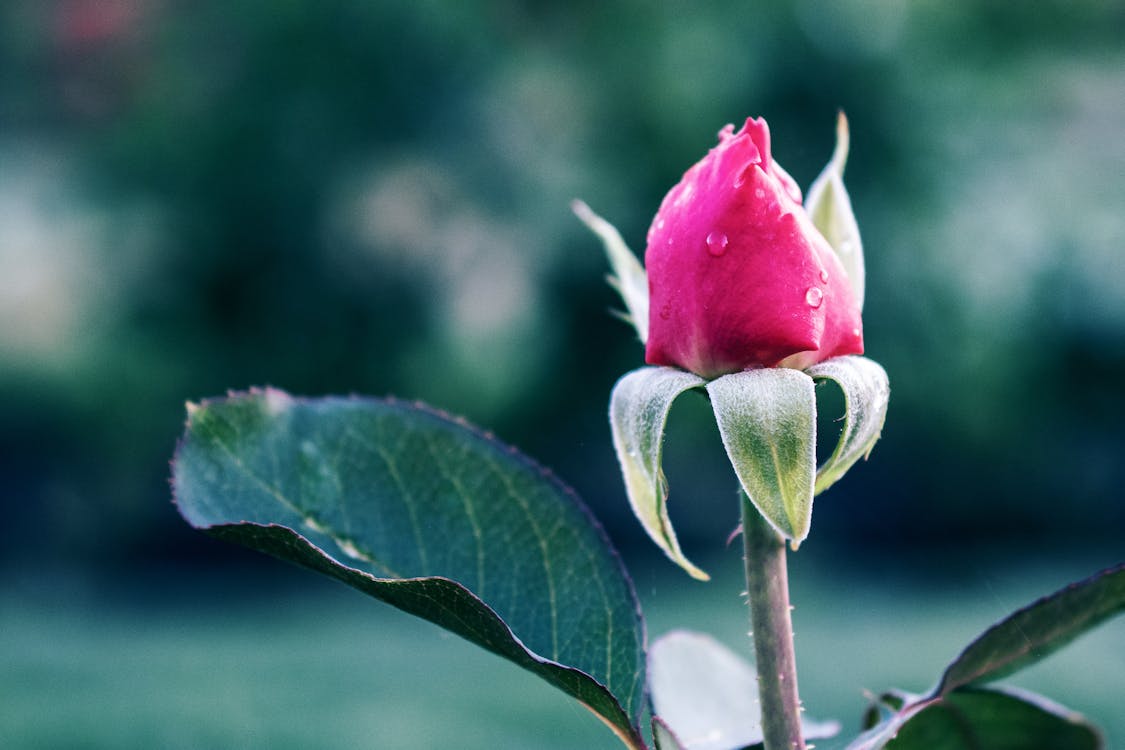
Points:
x=659 y=224
x=717 y=243
x=824 y=276
x=814 y=297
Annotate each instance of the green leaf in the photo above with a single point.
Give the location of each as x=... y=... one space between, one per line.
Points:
x=427 y=514
x=866 y=394
x=957 y=714
x=767 y=420
x=638 y=411
x=628 y=278
x=830 y=209
x=1037 y=630
x=993 y=719
x=707 y=696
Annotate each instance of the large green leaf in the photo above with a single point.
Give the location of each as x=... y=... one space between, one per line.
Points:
x=767 y=420
x=432 y=516
x=1037 y=630
x=866 y=395
x=638 y=411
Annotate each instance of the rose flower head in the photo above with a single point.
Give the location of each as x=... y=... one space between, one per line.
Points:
x=738 y=275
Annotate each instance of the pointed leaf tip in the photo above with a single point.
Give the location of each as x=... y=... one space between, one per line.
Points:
x=638 y=411
x=767 y=420
x=1037 y=630
x=830 y=208
x=629 y=278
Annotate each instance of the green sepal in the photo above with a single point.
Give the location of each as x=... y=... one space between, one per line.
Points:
x=638 y=411
x=866 y=394
x=830 y=209
x=628 y=277
x=767 y=420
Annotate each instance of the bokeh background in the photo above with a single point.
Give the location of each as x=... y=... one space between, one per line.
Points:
x=372 y=197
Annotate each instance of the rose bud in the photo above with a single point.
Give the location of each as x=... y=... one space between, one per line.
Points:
x=738 y=275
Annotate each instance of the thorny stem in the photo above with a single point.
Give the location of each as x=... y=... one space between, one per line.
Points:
x=767 y=587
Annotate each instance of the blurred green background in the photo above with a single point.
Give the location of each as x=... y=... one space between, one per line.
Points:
x=372 y=197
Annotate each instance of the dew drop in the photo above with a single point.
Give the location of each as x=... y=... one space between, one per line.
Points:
x=814 y=297
x=824 y=276
x=717 y=243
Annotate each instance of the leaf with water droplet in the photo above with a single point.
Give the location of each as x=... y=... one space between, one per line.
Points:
x=830 y=209
x=431 y=516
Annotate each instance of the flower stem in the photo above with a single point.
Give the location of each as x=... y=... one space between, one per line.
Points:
x=767 y=587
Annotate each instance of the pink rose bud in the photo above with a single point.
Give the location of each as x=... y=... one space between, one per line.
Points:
x=738 y=275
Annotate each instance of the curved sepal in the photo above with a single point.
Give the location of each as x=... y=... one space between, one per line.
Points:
x=866 y=394
x=767 y=420
x=830 y=209
x=638 y=410
x=628 y=277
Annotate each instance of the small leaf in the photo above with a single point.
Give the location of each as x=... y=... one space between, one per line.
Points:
x=978 y=718
x=708 y=697
x=628 y=277
x=866 y=394
x=830 y=209
x=431 y=516
x=1037 y=630
x=638 y=411
x=767 y=420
